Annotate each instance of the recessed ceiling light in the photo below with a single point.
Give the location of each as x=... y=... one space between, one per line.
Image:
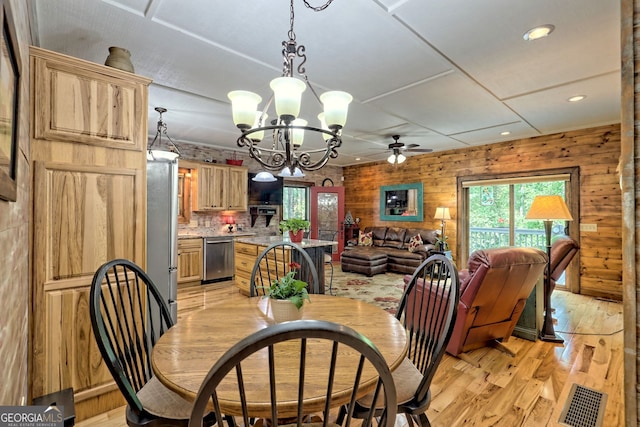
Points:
x=538 y=32
x=505 y=133
x=357 y=159
x=576 y=98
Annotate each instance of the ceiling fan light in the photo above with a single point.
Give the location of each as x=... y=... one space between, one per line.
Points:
x=391 y=159
x=298 y=134
x=401 y=158
x=244 y=105
x=287 y=93
x=336 y=107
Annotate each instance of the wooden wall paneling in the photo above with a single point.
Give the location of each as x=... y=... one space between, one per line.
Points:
x=594 y=151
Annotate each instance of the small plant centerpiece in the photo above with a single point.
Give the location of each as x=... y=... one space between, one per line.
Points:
x=296 y=228
x=287 y=295
x=442 y=244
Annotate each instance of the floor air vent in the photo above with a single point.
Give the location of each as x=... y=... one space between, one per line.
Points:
x=584 y=407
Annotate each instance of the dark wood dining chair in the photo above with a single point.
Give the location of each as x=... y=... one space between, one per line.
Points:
x=122 y=300
x=302 y=337
x=428 y=310
x=328 y=254
x=275 y=262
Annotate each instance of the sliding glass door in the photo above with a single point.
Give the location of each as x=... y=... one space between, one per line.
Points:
x=497 y=215
x=494 y=209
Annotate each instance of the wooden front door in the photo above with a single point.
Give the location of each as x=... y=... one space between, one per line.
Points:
x=327 y=214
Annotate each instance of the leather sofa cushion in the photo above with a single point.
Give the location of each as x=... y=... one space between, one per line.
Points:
x=364 y=262
x=394 y=238
x=366 y=253
x=378 y=234
x=428 y=236
x=403 y=254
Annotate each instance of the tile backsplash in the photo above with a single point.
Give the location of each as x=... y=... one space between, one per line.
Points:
x=214 y=223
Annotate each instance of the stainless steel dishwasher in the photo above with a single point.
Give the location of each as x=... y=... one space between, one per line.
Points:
x=218 y=259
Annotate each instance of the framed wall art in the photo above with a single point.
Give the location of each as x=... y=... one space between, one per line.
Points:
x=9 y=104
x=401 y=202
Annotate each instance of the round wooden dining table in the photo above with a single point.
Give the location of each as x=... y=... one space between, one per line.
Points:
x=183 y=356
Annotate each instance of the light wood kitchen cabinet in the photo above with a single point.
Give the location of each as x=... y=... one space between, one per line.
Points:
x=88 y=157
x=189 y=260
x=222 y=187
x=238 y=180
x=244 y=258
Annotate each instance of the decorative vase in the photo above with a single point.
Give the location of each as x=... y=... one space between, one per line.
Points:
x=119 y=58
x=296 y=237
x=284 y=310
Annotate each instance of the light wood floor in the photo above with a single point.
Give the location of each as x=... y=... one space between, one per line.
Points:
x=528 y=390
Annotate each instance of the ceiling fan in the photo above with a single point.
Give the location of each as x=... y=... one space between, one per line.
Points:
x=397 y=148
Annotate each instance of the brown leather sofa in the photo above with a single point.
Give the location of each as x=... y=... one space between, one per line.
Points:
x=389 y=251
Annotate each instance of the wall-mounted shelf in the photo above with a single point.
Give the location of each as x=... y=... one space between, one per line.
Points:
x=267 y=211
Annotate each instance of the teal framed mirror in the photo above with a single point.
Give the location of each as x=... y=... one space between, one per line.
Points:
x=401 y=202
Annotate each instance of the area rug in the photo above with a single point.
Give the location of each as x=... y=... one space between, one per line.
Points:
x=383 y=290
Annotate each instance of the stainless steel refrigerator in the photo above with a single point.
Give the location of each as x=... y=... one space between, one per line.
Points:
x=162 y=229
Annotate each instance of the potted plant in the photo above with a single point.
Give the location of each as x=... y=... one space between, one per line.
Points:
x=234 y=160
x=287 y=295
x=296 y=228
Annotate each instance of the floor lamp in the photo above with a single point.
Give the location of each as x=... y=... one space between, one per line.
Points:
x=442 y=214
x=548 y=209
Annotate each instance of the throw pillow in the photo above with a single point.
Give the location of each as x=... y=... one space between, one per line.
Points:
x=415 y=243
x=365 y=239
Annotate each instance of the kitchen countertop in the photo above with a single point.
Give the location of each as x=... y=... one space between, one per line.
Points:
x=202 y=234
x=306 y=243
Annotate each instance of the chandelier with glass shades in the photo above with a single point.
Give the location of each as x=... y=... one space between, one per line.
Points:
x=284 y=151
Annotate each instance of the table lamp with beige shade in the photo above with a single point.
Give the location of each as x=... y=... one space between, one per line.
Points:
x=548 y=209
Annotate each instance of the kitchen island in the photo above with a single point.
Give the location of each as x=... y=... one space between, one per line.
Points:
x=248 y=249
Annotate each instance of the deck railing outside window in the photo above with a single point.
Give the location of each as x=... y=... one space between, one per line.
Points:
x=484 y=238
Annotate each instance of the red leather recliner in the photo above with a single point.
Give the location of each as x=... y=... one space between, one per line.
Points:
x=493 y=291
x=562 y=252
